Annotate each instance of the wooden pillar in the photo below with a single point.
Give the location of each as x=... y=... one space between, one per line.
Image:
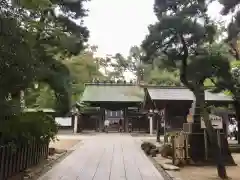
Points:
x=96 y=125
x=157 y=117
x=97 y=120
x=75 y=130
x=80 y=124
x=125 y=120
x=166 y=119
x=104 y=115
x=151 y=125
x=101 y=119
x=72 y=122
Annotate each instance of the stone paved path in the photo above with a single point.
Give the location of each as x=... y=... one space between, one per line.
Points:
x=105 y=157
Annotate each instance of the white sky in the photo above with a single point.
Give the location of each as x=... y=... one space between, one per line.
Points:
x=116 y=25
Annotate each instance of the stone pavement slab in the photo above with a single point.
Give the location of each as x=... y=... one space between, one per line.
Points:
x=105 y=157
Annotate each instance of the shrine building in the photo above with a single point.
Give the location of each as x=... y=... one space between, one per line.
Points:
x=133 y=103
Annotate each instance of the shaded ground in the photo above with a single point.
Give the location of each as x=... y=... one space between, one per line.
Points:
x=105 y=156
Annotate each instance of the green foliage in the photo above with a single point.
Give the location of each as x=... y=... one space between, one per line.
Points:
x=42 y=97
x=208 y=83
x=159 y=72
x=118 y=65
x=209 y=62
x=235 y=64
x=32 y=33
x=229 y=5
x=229 y=81
x=164 y=78
x=28 y=126
x=183 y=39
x=235 y=72
x=185 y=34
x=182 y=29
x=83 y=68
x=233 y=28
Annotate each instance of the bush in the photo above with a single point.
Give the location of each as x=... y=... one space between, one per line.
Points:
x=149 y=148
x=166 y=151
x=26 y=127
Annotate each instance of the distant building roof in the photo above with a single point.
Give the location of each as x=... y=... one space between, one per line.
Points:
x=47 y=110
x=182 y=93
x=107 y=92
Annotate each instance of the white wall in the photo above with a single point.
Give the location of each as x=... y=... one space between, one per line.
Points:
x=64 y=121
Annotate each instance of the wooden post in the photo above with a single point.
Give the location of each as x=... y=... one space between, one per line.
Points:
x=101 y=119
x=125 y=120
x=219 y=139
x=206 y=145
x=187 y=147
x=95 y=124
x=164 y=117
x=75 y=123
x=165 y=135
x=151 y=125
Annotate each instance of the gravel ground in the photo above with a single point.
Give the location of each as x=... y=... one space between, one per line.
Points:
x=202 y=173
x=193 y=172
x=64 y=144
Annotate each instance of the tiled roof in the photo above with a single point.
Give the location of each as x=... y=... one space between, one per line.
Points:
x=178 y=93
x=39 y=110
x=107 y=92
x=112 y=93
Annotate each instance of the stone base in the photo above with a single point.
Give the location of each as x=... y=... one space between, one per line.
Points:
x=197 y=148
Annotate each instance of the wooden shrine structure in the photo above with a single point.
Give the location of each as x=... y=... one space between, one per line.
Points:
x=133 y=103
x=175 y=102
x=108 y=97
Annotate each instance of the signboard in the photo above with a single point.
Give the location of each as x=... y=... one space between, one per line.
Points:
x=217 y=122
x=187 y=128
x=64 y=121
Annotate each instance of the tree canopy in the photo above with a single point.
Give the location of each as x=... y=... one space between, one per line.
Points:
x=83 y=68
x=32 y=33
x=186 y=36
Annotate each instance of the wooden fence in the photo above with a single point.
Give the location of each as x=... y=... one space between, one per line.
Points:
x=15 y=159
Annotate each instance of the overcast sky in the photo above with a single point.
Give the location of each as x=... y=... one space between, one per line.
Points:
x=116 y=25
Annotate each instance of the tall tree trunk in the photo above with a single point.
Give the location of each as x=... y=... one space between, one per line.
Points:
x=236 y=104
x=200 y=101
x=200 y=107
